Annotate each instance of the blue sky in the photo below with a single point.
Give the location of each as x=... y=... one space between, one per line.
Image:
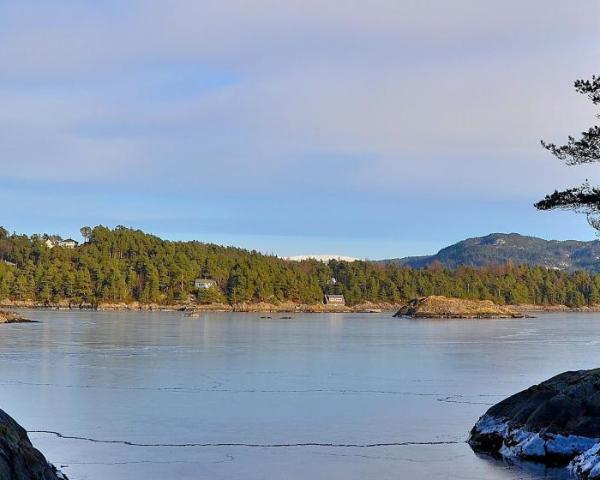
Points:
x=378 y=129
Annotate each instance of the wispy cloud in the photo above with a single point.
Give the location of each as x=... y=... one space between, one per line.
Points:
x=411 y=100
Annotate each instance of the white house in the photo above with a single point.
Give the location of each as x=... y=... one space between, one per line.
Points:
x=68 y=243
x=204 y=283
x=335 y=300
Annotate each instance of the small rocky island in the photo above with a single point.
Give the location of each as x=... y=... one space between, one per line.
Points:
x=436 y=306
x=19 y=460
x=556 y=423
x=12 y=317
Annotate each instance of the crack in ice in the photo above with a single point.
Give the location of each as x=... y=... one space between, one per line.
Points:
x=454 y=399
x=250 y=445
x=440 y=397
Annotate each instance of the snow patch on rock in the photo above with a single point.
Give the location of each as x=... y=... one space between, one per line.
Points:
x=568 y=446
x=521 y=443
x=488 y=425
x=587 y=465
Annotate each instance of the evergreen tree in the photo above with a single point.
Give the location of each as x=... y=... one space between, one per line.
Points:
x=123 y=265
x=586 y=149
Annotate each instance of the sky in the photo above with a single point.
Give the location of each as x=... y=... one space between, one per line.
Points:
x=371 y=129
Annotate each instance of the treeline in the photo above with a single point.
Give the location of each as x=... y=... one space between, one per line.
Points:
x=124 y=265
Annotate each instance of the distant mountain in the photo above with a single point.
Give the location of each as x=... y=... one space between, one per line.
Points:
x=321 y=258
x=500 y=248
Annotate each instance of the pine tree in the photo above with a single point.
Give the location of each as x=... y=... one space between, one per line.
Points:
x=586 y=149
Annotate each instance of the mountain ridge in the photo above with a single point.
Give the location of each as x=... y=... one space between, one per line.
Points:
x=502 y=248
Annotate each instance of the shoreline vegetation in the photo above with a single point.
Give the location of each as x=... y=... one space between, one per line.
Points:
x=126 y=269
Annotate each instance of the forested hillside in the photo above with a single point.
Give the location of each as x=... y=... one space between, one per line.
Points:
x=500 y=248
x=124 y=265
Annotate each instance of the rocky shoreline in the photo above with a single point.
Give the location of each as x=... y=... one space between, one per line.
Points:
x=285 y=307
x=556 y=423
x=528 y=308
x=290 y=307
x=192 y=308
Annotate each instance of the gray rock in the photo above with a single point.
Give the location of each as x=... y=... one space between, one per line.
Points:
x=19 y=460
x=556 y=422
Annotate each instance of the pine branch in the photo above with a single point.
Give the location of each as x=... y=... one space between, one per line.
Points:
x=585 y=199
x=575 y=152
x=591 y=88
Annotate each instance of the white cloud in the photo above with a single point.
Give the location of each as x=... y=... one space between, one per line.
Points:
x=433 y=94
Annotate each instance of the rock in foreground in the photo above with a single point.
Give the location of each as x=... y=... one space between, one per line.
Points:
x=443 y=307
x=19 y=460
x=556 y=422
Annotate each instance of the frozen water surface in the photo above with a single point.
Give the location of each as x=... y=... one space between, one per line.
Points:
x=347 y=396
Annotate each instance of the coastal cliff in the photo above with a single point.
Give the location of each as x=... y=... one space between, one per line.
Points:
x=19 y=460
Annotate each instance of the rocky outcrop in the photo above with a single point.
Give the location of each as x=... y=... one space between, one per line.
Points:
x=556 y=422
x=19 y=460
x=443 y=307
x=11 y=317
